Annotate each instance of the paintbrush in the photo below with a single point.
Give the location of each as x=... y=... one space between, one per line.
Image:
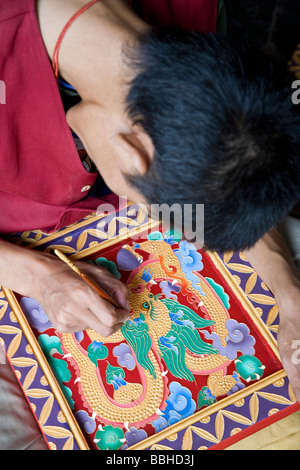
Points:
x=86 y=278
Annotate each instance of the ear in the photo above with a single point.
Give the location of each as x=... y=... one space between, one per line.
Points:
x=135 y=150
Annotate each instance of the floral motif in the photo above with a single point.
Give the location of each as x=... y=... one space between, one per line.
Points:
x=249 y=368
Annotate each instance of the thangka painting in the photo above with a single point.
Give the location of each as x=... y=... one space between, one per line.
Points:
x=190 y=343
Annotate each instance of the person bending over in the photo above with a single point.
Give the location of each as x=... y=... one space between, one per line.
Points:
x=166 y=116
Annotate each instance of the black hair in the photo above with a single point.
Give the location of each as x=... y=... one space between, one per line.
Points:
x=225 y=131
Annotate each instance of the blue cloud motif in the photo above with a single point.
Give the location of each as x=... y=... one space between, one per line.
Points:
x=160 y=424
x=190 y=260
x=180 y=405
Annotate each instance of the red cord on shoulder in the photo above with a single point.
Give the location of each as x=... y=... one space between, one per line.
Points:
x=62 y=35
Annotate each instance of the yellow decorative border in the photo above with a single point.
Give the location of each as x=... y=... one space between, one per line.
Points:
x=152 y=224
x=66 y=230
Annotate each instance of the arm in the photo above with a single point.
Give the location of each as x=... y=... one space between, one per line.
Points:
x=272 y=261
x=68 y=301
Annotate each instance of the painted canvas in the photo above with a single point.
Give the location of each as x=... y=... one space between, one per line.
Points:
x=189 y=344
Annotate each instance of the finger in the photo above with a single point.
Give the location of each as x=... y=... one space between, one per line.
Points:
x=108 y=315
x=117 y=291
x=102 y=327
x=111 y=285
x=99 y=314
x=291 y=363
x=104 y=310
x=69 y=324
x=85 y=308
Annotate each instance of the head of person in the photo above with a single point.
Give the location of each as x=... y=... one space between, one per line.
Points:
x=223 y=129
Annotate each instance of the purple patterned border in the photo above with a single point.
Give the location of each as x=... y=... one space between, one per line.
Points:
x=31 y=377
x=231 y=420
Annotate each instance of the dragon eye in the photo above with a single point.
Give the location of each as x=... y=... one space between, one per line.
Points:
x=145 y=306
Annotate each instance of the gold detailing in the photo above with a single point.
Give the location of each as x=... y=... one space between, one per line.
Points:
x=97 y=399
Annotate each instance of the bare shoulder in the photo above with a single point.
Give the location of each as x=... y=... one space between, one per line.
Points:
x=92 y=39
x=52 y=16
